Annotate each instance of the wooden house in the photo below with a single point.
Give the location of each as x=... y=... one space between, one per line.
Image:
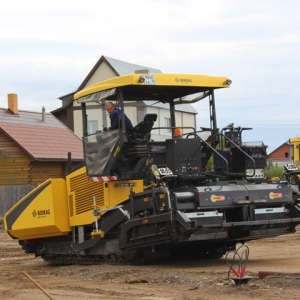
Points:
x=34 y=146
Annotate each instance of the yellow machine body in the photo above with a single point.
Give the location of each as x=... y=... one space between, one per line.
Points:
x=41 y=213
x=58 y=204
x=81 y=193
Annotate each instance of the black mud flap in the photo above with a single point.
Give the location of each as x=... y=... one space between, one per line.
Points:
x=86 y=244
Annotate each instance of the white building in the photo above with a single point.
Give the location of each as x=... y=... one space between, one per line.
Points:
x=70 y=112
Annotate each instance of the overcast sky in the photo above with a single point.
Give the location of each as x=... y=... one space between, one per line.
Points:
x=48 y=48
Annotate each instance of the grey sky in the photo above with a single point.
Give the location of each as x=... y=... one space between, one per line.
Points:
x=48 y=47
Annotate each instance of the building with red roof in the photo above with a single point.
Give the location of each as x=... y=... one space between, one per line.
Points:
x=34 y=146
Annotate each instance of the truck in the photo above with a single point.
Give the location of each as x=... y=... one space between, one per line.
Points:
x=135 y=199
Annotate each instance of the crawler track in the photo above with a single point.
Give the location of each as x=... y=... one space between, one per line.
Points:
x=97 y=260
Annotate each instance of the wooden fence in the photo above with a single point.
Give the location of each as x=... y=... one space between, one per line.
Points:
x=10 y=195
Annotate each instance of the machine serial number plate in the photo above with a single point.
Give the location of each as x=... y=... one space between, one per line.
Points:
x=124 y=185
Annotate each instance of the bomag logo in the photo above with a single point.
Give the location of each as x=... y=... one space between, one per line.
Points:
x=41 y=213
x=183 y=80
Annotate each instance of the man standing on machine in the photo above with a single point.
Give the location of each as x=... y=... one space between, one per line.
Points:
x=115 y=122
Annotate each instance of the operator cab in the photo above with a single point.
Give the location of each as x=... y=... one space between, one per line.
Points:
x=123 y=156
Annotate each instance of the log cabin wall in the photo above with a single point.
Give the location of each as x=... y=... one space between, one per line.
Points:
x=17 y=168
x=41 y=171
x=14 y=163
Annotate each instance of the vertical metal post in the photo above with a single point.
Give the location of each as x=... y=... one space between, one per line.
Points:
x=121 y=104
x=104 y=114
x=172 y=115
x=96 y=219
x=84 y=119
x=153 y=200
x=213 y=117
x=131 y=202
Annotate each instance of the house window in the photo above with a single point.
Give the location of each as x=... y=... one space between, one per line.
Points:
x=92 y=126
x=168 y=124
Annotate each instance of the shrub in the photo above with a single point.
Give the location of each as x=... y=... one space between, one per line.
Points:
x=274 y=170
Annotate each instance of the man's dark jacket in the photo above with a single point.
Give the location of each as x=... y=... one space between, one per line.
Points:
x=115 y=124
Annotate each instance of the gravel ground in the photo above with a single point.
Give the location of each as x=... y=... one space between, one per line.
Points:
x=22 y=276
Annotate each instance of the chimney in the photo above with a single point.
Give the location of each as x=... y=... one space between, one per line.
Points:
x=12 y=100
x=43 y=113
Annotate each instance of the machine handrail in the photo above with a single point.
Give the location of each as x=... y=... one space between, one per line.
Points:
x=238 y=147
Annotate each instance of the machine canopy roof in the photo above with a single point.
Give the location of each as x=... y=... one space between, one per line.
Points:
x=183 y=88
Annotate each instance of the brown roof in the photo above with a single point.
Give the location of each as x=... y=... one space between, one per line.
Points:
x=42 y=140
x=274 y=151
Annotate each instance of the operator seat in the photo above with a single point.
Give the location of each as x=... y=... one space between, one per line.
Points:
x=142 y=130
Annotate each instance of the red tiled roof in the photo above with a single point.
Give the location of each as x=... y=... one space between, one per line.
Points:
x=42 y=140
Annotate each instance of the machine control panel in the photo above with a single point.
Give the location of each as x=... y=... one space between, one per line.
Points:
x=165 y=171
x=290 y=168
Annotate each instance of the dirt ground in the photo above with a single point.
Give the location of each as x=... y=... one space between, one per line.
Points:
x=170 y=280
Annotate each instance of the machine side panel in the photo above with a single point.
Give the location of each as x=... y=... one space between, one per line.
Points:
x=221 y=196
x=41 y=213
x=81 y=194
